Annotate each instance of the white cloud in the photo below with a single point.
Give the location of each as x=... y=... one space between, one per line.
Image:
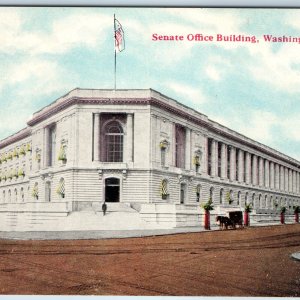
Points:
x=85 y=29
x=280 y=69
x=257 y=125
x=213 y=73
x=41 y=77
x=190 y=94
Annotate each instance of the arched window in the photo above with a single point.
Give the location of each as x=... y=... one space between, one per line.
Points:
x=246 y=198
x=3 y=197
x=61 y=190
x=221 y=196
x=211 y=194
x=15 y=195
x=113 y=142
x=164 y=189
x=9 y=196
x=260 y=201
x=238 y=198
x=265 y=202
x=35 y=191
x=22 y=194
x=198 y=192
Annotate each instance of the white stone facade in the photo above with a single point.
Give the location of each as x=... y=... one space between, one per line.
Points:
x=142 y=149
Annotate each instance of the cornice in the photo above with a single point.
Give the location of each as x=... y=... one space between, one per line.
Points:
x=16 y=137
x=181 y=112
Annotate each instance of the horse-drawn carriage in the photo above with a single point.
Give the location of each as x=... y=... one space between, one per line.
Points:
x=232 y=219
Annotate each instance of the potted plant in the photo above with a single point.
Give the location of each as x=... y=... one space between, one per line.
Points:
x=15 y=153
x=282 y=214
x=248 y=209
x=228 y=198
x=22 y=150
x=163 y=144
x=62 y=156
x=296 y=212
x=21 y=173
x=35 y=192
x=28 y=147
x=208 y=206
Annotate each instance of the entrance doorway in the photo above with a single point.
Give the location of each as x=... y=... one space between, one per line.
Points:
x=112 y=190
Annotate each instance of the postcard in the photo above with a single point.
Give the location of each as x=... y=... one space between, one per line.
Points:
x=149 y=151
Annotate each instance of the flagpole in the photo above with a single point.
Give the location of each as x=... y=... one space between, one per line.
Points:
x=115 y=51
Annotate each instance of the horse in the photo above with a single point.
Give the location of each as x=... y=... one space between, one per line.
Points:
x=225 y=222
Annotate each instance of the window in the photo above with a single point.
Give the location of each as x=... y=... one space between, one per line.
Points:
x=52 y=145
x=22 y=194
x=182 y=193
x=180 y=146
x=164 y=189
x=237 y=165
x=209 y=156
x=228 y=161
x=211 y=194
x=246 y=198
x=221 y=196
x=114 y=142
x=239 y=198
x=15 y=195
x=61 y=190
x=219 y=159
x=198 y=192
x=35 y=191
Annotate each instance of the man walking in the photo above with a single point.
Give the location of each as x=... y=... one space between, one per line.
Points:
x=104 y=208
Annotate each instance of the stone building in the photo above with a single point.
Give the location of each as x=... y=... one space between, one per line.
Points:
x=141 y=152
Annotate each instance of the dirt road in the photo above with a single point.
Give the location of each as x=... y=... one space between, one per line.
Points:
x=249 y=262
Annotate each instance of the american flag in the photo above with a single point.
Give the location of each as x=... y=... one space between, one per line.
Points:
x=119 y=36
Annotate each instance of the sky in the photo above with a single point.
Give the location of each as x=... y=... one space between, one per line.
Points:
x=252 y=88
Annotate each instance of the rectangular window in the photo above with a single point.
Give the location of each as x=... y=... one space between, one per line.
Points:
x=209 y=156
x=237 y=165
x=245 y=166
x=180 y=146
x=52 y=145
x=228 y=161
x=219 y=159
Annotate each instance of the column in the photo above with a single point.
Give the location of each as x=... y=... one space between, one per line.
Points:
x=46 y=153
x=260 y=171
x=294 y=181
x=282 y=178
x=232 y=163
x=129 y=133
x=267 y=174
x=223 y=161
x=272 y=176
x=277 y=177
x=286 y=179
x=297 y=182
x=96 y=137
x=241 y=165
x=213 y=158
x=290 y=180
x=248 y=168
x=254 y=170
x=187 y=149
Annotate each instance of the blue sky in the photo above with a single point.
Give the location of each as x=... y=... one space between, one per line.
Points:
x=251 y=88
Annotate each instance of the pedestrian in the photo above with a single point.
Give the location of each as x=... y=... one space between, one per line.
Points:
x=104 y=208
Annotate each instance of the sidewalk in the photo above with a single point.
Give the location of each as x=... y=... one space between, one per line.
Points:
x=104 y=234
